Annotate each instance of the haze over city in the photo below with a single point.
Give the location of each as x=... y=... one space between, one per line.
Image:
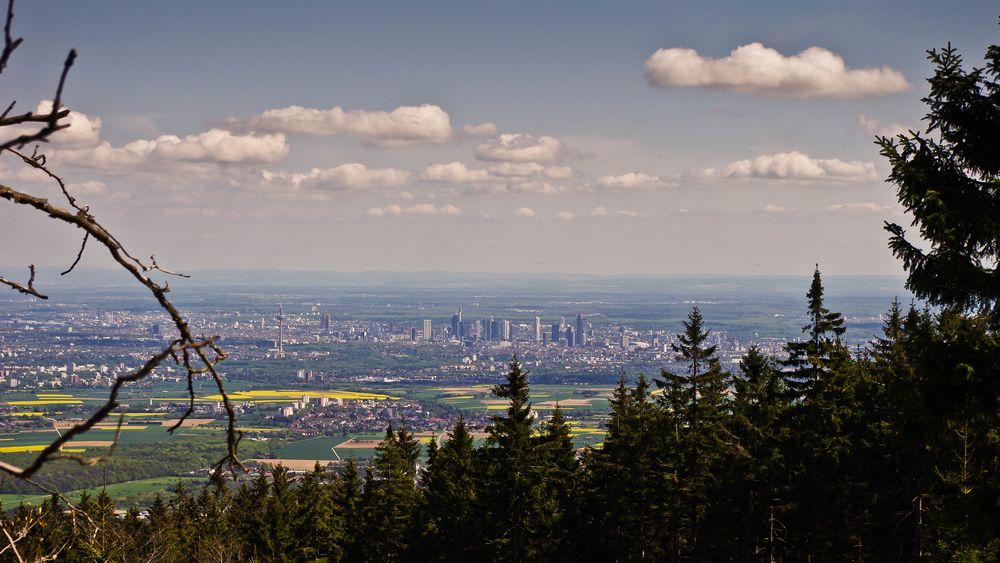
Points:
x=560 y=137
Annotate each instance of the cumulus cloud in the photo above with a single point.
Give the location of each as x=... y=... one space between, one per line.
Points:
x=403 y=125
x=755 y=69
x=633 y=180
x=861 y=207
x=350 y=176
x=875 y=127
x=526 y=212
x=528 y=169
x=797 y=166
x=628 y=213
x=565 y=216
x=83 y=131
x=517 y=147
x=213 y=146
x=772 y=208
x=599 y=211
x=417 y=209
x=487 y=129
x=455 y=173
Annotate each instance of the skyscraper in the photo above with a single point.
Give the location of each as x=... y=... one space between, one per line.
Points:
x=570 y=337
x=456 y=319
x=581 y=330
x=556 y=332
x=538 y=328
x=428 y=330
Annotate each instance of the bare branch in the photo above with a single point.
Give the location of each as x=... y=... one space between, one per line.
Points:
x=52 y=119
x=9 y=43
x=154 y=266
x=28 y=289
x=79 y=255
x=197 y=355
x=11 y=543
x=37 y=161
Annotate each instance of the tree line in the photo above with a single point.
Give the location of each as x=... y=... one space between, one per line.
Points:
x=890 y=454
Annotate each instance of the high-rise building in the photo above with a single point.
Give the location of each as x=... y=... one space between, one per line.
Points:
x=624 y=340
x=281 y=331
x=538 y=328
x=556 y=332
x=324 y=321
x=505 y=330
x=581 y=330
x=570 y=337
x=428 y=330
x=413 y=334
x=456 y=320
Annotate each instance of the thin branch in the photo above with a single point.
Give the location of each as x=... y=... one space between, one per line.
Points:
x=12 y=544
x=52 y=121
x=28 y=289
x=79 y=255
x=9 y=43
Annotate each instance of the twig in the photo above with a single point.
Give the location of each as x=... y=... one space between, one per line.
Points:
x=25 y=289
x=9 y=43
x=79 y=255
x=13 y=544
x=52 y=121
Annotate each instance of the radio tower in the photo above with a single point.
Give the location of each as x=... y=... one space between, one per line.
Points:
x=281 y=325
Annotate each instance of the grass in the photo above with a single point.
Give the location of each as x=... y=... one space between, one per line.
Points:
x=126 y=494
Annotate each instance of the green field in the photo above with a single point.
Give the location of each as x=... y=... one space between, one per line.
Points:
x=126 y=494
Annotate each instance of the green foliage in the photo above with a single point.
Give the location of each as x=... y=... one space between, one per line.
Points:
x=951 y=186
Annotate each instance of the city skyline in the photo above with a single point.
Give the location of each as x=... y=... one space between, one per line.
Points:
x=564 y=138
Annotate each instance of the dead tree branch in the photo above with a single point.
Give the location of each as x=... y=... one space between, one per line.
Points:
x=28 y=289
x=197 y=355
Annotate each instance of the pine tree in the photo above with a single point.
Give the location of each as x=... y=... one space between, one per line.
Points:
x=510 y=491
x=822 y=351
x=755 y=473
x=695 y=409
x=949 y=184
x=449 y=530
x=391 y=498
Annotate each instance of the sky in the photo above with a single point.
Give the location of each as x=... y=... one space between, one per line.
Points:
x=630 y=137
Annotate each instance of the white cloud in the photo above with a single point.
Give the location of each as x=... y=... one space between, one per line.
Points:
x=350 y=176
x=628 y=213
x=487 y=129
x=797 y=166
x=535 y=187
x=418 y=209
x=633 y=180
x=862 y=207
x=83 y=131
x=455 y=173
x=772 y=208
x=599 y=211
x=875 y=127
x=213 y=146
x=526 y=212
x=403 y=125
x=565 y=216
x=516 y=147
x=755 y=69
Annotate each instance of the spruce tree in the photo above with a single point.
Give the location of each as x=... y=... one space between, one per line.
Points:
x=948 y=179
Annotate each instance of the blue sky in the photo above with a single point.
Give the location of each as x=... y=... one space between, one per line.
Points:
x=600 y=158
